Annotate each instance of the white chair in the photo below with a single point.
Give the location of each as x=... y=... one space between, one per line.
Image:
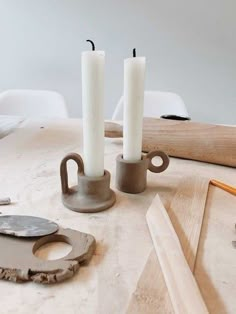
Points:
x=156 y=104
x=32 y=103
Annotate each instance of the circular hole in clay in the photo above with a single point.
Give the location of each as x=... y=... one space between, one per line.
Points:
x=53 y=250
x=157 y=161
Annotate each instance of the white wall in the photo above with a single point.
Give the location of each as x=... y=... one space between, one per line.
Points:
x=190 y=47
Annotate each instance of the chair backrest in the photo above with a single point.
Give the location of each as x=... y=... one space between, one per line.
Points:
x=156 y=104
x=32 y=103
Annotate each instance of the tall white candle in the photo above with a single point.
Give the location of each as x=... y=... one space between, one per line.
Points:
x=134 y=78
x=93 y=112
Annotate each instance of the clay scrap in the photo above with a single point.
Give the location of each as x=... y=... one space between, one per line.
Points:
x=18 y=262
x=5 y=201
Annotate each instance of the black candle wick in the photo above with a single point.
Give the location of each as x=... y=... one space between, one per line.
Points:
x=92 y=43
x=134 y=52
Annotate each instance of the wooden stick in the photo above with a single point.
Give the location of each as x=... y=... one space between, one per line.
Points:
x=190 y=140
x=186 y=213
x=182 y=287
x=224 y=186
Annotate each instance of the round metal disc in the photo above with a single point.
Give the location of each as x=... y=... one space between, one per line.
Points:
x=26 y=226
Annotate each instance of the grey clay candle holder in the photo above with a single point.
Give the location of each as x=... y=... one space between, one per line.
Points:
x=92 y=194
x=131 y=176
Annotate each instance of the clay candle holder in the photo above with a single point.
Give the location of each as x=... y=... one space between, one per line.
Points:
x=131 y=176
x=92 y=194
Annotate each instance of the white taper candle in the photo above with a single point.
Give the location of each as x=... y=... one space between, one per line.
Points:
x=93 y=112
x=134 y=78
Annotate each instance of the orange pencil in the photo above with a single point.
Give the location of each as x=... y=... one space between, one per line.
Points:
x=224 y=186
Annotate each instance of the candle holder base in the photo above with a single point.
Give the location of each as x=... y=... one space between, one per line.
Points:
x=131 y=176
x=91 y=195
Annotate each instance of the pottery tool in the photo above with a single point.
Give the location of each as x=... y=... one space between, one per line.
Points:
x=197 y=141
x=186 y=212
x=18 y=262
x=182 y=287
x=224 y=186
x=26 y=226
x=5 y=201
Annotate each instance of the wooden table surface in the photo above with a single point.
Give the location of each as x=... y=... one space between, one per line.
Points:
x=29 y=174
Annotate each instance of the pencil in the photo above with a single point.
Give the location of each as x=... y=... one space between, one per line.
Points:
x=224 y=186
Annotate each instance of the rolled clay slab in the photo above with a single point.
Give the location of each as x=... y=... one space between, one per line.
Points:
x=26 y=226
x=18 y=262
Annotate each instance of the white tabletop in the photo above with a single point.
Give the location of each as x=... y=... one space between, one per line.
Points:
x=29 y=174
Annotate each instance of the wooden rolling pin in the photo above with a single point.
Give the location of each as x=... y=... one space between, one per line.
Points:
x=191 y=140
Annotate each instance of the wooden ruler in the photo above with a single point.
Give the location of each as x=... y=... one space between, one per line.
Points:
x=186 y=213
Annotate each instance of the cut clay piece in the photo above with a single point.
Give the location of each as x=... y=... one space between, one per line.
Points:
x=18 y=262
x=26 y=226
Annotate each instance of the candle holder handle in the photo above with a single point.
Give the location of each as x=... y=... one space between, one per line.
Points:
x=163 y=156
x=63 y=170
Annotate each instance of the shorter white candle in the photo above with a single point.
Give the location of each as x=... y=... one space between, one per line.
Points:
x=134 y=79
x=93 y=111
